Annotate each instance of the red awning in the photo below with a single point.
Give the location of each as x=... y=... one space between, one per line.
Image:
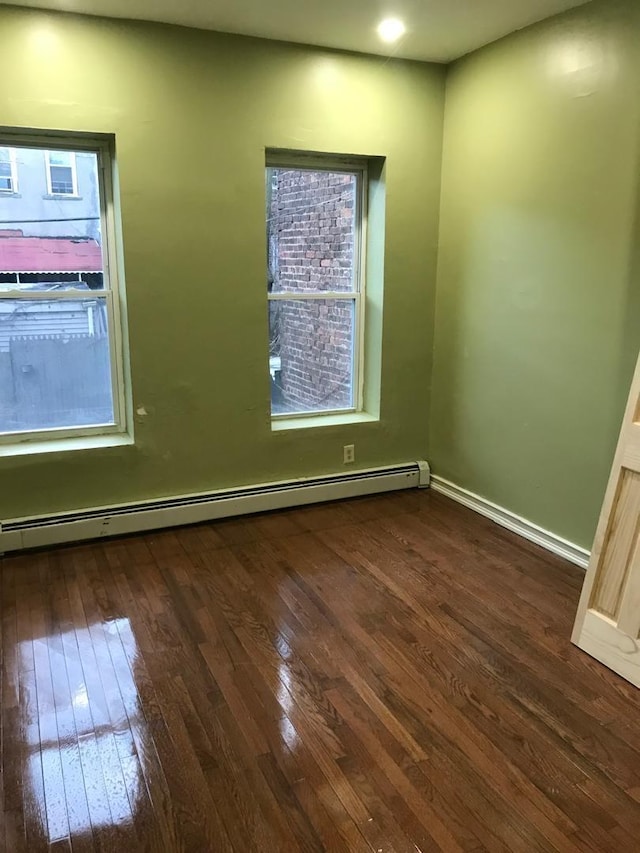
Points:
x=20 y=254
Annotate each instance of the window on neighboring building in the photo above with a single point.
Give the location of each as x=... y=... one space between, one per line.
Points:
x=8 y=174
x=61 y=173
x=61 y=364
x=315 y=233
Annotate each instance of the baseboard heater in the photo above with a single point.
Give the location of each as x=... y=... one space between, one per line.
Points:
x=38 y=531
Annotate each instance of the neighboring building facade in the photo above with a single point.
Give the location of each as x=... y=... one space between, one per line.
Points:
x=311 y=232
x=49 y=193
x=49 y=238
x=54 y=351
x=48 y=264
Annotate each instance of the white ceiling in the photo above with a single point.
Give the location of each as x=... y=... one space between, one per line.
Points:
x=437 y=30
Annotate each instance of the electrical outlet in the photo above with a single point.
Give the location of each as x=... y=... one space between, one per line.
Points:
x=349 y=451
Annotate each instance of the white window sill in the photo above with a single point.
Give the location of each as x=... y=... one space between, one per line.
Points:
x=315 y=421
x=61 y=445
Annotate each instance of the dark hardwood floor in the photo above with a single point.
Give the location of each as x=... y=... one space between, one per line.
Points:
x=383 y=674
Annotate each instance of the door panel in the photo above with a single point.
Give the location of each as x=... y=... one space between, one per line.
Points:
x=608 y=622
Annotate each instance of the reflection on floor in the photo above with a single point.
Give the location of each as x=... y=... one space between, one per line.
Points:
x=387 y=674
x=72 y=743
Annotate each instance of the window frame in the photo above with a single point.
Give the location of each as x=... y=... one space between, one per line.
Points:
x=112 y=293
x=334 y=163
x=14 y=172
x=74 y=173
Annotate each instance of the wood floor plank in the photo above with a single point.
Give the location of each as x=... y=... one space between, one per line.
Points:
x=391 y=673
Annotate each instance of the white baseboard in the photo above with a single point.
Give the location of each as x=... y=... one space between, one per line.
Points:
x=556 y=544
x=92 y=523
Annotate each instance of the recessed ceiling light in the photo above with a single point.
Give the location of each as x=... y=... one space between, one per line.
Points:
x=391 y=29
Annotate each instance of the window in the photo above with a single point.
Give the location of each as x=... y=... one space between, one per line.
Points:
x=61 y=366
x=315 y=282
x=61 y=173
x=8 y=173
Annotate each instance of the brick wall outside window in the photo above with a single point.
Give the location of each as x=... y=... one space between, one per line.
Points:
x=311 y=234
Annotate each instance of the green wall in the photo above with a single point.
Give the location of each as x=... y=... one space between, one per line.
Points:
x=192 y=113
x=537 y=321
x=538 y=306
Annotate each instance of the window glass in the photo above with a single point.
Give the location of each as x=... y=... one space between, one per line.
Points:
x=58 y=351
x=61 y=172
x=6 y=171
x=313 y=234
x=311 y=357
x=55 y=368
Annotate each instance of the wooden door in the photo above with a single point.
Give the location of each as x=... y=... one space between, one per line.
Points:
x=608 y=622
